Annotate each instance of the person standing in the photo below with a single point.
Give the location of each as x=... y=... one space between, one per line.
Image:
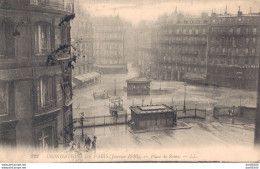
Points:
x=93 y=148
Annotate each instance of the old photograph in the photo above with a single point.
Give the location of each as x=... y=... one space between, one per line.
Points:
x=129 y=81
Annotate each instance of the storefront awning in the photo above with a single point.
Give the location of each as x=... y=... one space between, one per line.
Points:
x=112 y=66
x=194 y=76
x=88 y=76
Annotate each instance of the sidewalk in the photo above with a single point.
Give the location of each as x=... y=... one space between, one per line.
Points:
x=180 y=125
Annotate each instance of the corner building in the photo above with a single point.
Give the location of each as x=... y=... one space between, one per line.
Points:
x=182 y=44
x=36 y=100
x=109 y=45
x=233 y=55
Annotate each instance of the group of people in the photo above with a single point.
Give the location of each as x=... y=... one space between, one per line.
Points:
x=89 y=145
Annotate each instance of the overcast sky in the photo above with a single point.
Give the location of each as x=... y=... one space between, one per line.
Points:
x=136 y=10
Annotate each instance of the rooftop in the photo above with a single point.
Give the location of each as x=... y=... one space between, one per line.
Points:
x=151 y=109
x=115 y=99
x=138 y=80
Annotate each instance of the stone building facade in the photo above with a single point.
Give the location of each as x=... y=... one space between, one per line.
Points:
x=233 y=55
x=109 y=45
x=82 y=39
x=143 y=41
x=182 y=47
x=221 y=50
x=36 y=100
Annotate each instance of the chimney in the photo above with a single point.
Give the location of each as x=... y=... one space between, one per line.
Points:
x=226 y=10
x=239 y=13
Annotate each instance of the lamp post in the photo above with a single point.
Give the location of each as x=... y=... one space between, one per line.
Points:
x=115 y=87
x=184 y=104
x=239 y=76
x=196 y=110
x=160 y=84
x=82 y=126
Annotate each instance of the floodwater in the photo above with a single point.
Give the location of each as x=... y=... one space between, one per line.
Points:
x=207 y=132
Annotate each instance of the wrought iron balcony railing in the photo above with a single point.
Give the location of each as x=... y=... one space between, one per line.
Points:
x=62 y=5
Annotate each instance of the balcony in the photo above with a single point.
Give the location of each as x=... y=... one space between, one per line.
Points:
x=47 y=106
x=60 y=5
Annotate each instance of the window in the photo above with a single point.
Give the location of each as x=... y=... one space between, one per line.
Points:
x=2 y=41
x=42 y=2
x=231 y=30
x=247 y=40
x=217 y=50
x=5 y=98
x=238 y=30
x=253 y=51
x=46 y=92
x=57 y=37
x=254 y=31
x=42 y=38
x=45 y=138
x=254 y=40
x=246 y=30
x=7 y=39
x=246 y=50
x=223 y=50
x=233 y=41
x=203 y=31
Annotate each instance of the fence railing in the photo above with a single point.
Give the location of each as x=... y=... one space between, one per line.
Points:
x=225 y=111
x=102 y=120
x=192 y=113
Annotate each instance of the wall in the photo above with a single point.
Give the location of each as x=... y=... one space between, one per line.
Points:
x=23 y=110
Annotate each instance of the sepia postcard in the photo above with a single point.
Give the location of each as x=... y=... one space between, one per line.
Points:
x=129 y=81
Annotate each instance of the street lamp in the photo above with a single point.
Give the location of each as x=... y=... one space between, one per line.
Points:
x=239 y=76
x=184 y=105
x=82 y=126
x=196 y=110
x=160 y=84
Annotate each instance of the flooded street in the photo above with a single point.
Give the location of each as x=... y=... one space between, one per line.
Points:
x=207 y=132
x=205 y=96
